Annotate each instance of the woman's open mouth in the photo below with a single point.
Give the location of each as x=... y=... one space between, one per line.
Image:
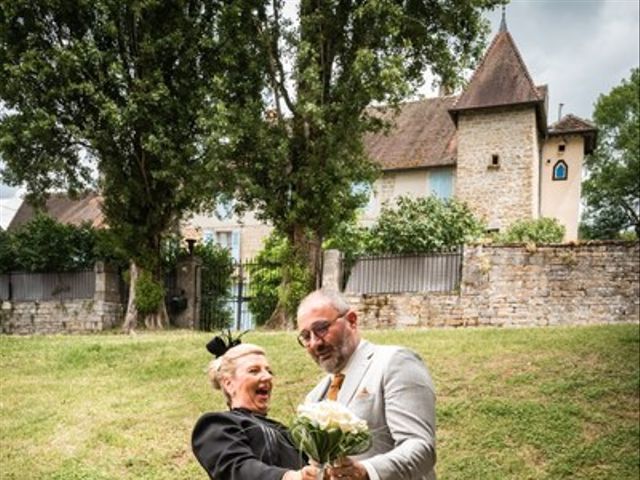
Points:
x=263 y=393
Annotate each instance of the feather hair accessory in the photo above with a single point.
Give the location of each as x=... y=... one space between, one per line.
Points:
x=219 y=344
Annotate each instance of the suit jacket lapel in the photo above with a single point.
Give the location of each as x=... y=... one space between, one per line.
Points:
x=357 y=369
x=320 y=390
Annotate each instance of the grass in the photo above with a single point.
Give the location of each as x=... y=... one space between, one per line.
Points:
x=541 y=403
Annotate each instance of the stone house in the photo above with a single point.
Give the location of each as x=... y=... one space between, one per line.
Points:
x=489 y=146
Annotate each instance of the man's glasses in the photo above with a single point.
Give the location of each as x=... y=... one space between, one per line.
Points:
x=319 y=329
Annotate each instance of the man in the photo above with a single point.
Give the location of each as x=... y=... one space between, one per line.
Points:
x=387 y=386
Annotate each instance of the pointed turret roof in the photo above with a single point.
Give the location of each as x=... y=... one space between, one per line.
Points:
x=501 y=79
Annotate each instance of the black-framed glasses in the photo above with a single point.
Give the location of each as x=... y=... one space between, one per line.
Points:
x=319 y=329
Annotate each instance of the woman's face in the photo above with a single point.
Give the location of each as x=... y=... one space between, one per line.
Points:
x=250 y=386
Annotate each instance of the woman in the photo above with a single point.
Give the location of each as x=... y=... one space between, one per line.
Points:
x=243 y=444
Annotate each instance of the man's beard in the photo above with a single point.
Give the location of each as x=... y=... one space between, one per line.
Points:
x=338 y=359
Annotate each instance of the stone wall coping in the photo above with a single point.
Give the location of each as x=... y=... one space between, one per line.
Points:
x=579 y=244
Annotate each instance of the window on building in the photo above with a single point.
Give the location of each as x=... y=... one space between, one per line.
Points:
x=560 y=170
x=561 y=147
x=229 y=239
x=441 y=183
x=495 y=161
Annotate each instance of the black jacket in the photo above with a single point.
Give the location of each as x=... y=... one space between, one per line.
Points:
x=241 y=445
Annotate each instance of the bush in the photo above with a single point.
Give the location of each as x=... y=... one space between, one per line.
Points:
x=149 y=293
x=274 y=261
x=217 y=271
x=44 y=244
x=542 y=230
x=423 y=225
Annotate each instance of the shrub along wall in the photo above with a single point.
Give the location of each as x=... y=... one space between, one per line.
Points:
x=572 y=284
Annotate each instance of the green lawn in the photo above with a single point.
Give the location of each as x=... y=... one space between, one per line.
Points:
x=512 y=403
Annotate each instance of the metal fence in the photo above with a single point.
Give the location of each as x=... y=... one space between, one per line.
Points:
x=432 y=272
x=25 y=287
x=227 y=293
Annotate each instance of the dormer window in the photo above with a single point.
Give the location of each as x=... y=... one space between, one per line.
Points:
x=560 y=170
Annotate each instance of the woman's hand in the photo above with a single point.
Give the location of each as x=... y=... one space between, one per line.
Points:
x=307 y=473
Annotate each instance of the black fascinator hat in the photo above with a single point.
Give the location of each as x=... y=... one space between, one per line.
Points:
x=219 y=344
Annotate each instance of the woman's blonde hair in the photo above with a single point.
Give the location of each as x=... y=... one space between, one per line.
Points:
x=225 y=366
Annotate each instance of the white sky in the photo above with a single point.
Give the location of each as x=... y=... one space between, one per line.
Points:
x=579 y=48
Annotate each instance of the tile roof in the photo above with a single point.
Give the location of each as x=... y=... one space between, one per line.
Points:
x=65 y=210
x=501 y=79
x=572 y=124
x=423 y=135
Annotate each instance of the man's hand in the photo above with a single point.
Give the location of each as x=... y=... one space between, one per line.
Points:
x=348 y=469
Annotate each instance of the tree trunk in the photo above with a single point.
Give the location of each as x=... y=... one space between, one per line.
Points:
x=279 y=320
x=131 y=317
x=154 y=320
x=308 y=252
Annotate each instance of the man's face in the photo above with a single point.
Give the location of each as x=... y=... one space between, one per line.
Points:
x=329 y=338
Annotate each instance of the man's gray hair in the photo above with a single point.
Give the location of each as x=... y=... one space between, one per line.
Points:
x=325 y=297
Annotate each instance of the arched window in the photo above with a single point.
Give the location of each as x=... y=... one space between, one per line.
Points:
x=560 y=170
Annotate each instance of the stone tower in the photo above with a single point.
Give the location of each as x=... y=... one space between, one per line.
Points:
x=501 y=124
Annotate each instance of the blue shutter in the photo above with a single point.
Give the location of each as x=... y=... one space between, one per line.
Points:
x=207 y=236
x=441 y=183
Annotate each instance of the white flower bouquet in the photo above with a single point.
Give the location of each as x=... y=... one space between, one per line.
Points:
x=327 y=431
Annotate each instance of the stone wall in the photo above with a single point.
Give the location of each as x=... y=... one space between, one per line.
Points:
x=506 y=192
x=68 y=316
x=101 y=312
x=569 y=284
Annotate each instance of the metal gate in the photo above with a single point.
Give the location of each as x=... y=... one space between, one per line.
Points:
x=226 y=295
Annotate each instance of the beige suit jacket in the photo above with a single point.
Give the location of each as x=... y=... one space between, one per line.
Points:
x=390 y=388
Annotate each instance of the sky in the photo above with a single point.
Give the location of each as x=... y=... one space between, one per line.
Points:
x=579 y=48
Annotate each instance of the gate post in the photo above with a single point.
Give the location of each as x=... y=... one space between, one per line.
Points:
x=331 y=274
x=188 y=281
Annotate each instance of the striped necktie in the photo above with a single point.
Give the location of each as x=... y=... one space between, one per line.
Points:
x=334 y=388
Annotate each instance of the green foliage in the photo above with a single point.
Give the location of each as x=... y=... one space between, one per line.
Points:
x=149 y=293
x=423 y=225
x=46 y=245
x=43 y=244
x=612 y=189
x=127 y=89
x=352 y=239
x=217 y=271
x=273 y=262
x=7 y=257
x=541 y=230
x=297 y=137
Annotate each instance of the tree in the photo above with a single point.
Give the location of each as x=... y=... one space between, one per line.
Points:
x=298 y=135
x=612 y=189
x=125 y=89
